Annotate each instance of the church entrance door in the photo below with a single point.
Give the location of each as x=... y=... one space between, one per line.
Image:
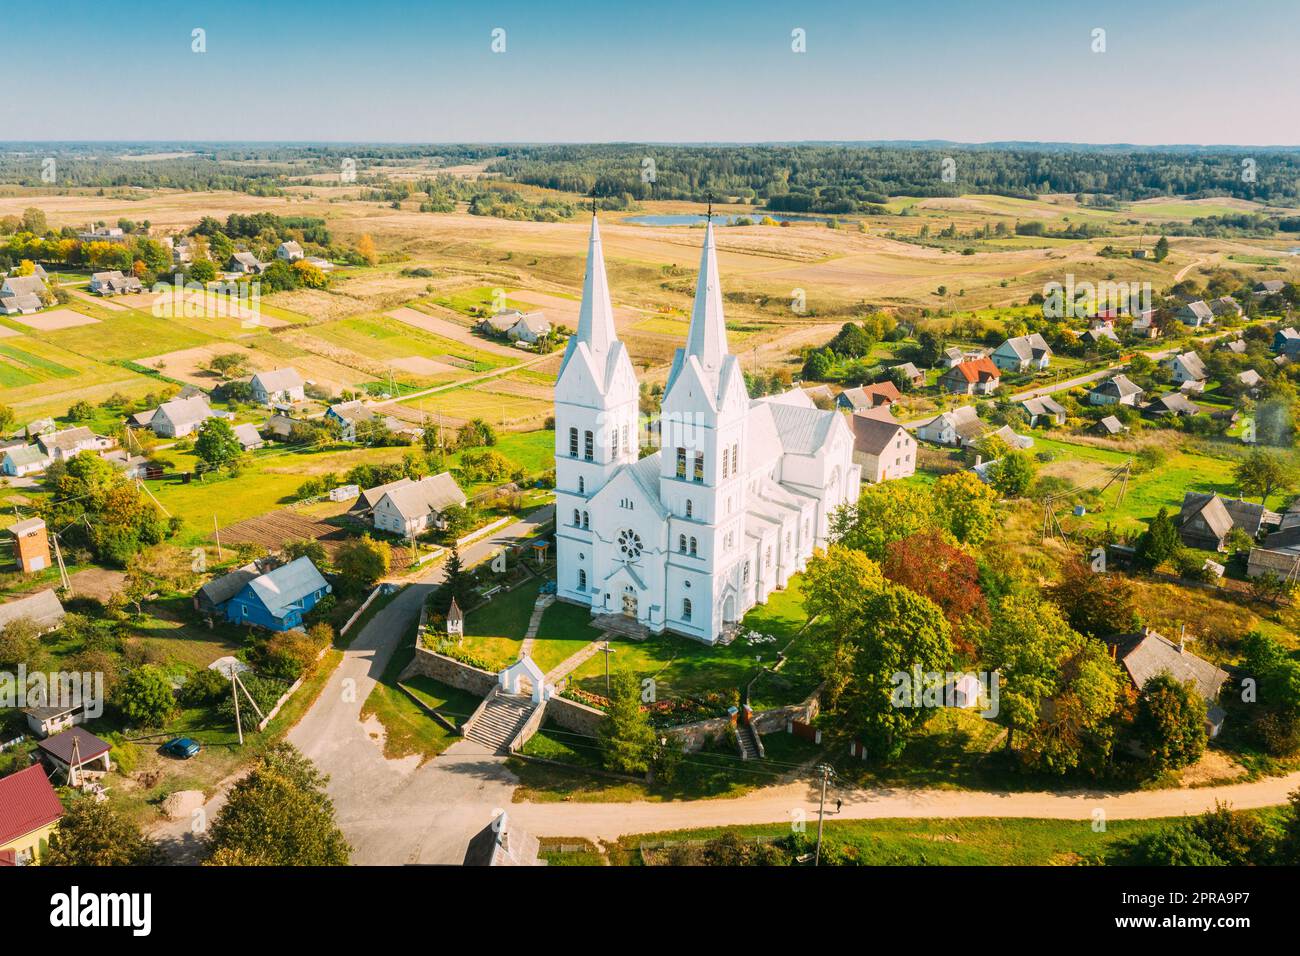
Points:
x=629 y=603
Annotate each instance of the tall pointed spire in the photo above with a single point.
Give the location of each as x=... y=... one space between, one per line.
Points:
x=596 y=315
x=707 y=338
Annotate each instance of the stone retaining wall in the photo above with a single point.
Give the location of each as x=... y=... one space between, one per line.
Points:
x=449 y=671
x=573 y=716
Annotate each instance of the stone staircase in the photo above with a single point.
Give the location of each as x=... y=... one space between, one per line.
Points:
x=749 y=746
x=621 y=625
x=499 y=720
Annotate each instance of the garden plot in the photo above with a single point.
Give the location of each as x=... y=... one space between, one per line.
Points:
x=448 y=330
x=190 y=365
x=272 y=530
x=424 y=367
x=55 y=319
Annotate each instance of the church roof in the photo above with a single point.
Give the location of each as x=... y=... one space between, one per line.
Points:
x=596 y=313
x=707 y=337
x=802 y=431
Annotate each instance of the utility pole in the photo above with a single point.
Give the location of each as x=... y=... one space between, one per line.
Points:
x=64 y=581
x=825 y=770
x=217 y=531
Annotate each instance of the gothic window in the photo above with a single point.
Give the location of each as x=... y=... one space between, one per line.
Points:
x=573 y=443
x=681 y=544
x=586 y=521
x=582 y=580
x=735 y=457
x=582 y=485
x=588 y=446
x=726 y=462
x=768 y=557
x=690 y=507
x=613 y=442
x=627 y=445
x=699 y=466
x=686 y=609
x=577 y=517
x=745 y=578
x=694 y=549
x=629 y=542
x=681 y=462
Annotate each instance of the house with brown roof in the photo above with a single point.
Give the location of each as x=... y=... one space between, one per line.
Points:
x=1206 y=520
x=1147 y=654
x=973 y=377
x=867 y=397
x=76 y=755
x=957 y=426
x=883 y=447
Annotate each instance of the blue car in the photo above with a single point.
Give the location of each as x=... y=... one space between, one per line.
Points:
x=182 y=747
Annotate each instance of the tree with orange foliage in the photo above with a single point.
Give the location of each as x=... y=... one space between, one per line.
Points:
x=928 y=563
x=366 y=250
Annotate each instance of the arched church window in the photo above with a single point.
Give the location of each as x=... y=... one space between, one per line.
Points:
x=582 y=580
x=588 y=446
x=735 y=457
x=681 y=543
x=693 y=546
x=577 y=517
x=582 y=485
x=629 y=542
x=726 y=462
x=686 y=609
x=586 y=520
x=690 y=508
x=681 y=462
x=699 y=466
x=573 y=443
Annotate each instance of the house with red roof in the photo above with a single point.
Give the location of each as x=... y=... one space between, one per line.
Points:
x=29 y=812
x=973 y=377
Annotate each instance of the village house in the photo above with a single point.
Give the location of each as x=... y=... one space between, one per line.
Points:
x=1045 y=409
x=1173 y=403
x=1269 y=287
x=22 y=295
x=114 y=283
x=24 y=460
x=502 y=844
x=414 y=508
x=909 y=373
x=250 y=439
x=974 y=377
x=1022 y=353
x=1097 y=334
x=1235 y=346
x=70 y=442
x=210 y=600
x=180 y=417
x=102 y=234
x=1196 y=314
x=1144 y=325
x=867 y=397
x=1109 y=427
x=42 y=608
x=1186 y=367
x=1251 y=380
x=531 y=327
x=1206 y=520
x=1147 y=654
x=1226 y=305
x=499 y=323
x=364 y=506
x=289 y=251
x=278 y=599
x=29 y=812
x=280 y=387
x=183 y=250
x=351 y=414
x=1117 y=390
x=883 y=447
x=958 y=426
x=245 y=263
x=44 y=720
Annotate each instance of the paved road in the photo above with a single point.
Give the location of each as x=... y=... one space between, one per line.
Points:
x=393 y=811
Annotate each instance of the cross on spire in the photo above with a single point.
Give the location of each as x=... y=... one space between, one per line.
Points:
x=709 y=214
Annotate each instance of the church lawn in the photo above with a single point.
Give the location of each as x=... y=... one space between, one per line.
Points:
x=495 y=631
x=714 y=772
x=565 y=629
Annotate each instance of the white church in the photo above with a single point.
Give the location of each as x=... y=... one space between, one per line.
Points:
x=735 y=501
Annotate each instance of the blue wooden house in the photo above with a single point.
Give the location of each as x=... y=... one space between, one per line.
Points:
x=278 y=599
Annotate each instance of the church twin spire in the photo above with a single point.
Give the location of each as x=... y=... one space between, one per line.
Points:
x=707 y=337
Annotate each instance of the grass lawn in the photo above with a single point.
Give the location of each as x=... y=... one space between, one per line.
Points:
x=407 y=728
x=944 y=842
x=710 y=773
x=1149 y=491
x=565 y=629
x=495 y=632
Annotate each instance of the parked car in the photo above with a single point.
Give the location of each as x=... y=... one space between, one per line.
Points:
x=182 y=747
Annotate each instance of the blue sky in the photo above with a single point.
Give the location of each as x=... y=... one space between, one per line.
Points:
x=1174 y=71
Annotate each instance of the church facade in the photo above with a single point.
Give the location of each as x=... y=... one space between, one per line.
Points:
x=732 y=504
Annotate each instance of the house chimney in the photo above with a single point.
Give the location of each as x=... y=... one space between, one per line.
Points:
x=978 y=459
